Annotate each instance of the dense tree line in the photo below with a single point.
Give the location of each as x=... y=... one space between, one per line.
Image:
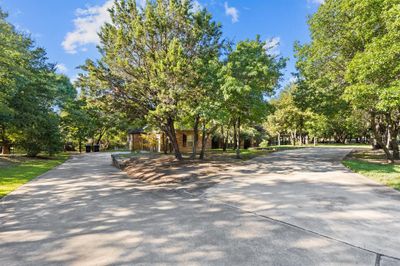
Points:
x=167 y=65
x=30 y=91
x=40 y=110
x=301 y=124
x=348 y=75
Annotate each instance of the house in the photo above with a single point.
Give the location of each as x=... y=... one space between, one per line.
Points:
x=141 y=140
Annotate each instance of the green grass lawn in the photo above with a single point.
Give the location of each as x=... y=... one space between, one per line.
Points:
x=339 y=145
x=15 y=175
x=252 y=153
x=323 y=145
x=388 y=174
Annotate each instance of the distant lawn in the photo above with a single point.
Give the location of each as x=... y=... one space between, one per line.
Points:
x=14 y=175
x=323 y=145
x=387 y=174
x=247 y=154
x=339 y=145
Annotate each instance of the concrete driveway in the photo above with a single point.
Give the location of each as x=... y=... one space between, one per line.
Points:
x=292 y=208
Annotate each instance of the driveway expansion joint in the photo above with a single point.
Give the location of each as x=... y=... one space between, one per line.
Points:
x=203 y=197
x=378 y=260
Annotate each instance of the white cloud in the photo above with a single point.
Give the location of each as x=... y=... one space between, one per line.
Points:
x=231 y=12
x=197 y=6
x=87 y=23
x=62 y=68
x=74 y=78
x=293 y=79
x=141 y=3
x=319 y=2
x=272 y=46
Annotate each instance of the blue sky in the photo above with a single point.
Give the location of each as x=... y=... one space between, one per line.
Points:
x=67 y=28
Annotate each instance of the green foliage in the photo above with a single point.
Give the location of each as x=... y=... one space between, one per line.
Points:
x=350 y=64
x=264 y=144
x=13 y=176
x=250 y=76
x=387 y=174
x=42 y=137
x=30 y=92
x=289 y=119
x=150 y=59
x=373 y=72
x=75 y=122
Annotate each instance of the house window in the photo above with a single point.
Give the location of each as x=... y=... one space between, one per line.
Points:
x=184 y=140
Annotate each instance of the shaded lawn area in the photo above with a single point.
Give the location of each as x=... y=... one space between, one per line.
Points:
x=247 y=154
x=339 y=145
x=322 y=145
x=388 y=174
x=14 y=175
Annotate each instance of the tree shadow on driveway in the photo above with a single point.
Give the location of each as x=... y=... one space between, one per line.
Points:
x=86 y=212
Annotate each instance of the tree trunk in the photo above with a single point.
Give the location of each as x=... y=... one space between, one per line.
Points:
x=301 y=138
x=394 y=132
x=170 y=131
x=395 y=147
x=378 y=137
x=5 y=149
x=375 y=144
x=238 y=139
x=5 y=143
x=203 y=141
x=165 y=143
x=293 y=136
x=195 y=136
x=388 y=137
x=80 y=145
x=224 y=139
x=234 y=135
x=102 y=132
x=279 y=139
x=315 y=141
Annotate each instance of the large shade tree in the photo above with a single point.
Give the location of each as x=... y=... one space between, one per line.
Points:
x=149 y=59
x=30 y=94
x=250 y=75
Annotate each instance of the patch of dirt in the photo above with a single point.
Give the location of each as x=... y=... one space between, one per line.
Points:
x=371 y=156
x=165 y=170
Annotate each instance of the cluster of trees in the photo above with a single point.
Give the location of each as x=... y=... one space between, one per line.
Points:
x=167 y=64
x=348 y=75
x=40 y=110
x=30 y=91
x=292 y=119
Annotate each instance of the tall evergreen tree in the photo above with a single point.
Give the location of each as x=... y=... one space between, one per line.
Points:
x=149 y=57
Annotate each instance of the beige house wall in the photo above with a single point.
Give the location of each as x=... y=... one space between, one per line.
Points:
x=185 y=138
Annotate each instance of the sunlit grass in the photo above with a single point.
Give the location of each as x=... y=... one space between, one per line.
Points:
x=323 y=145
x=13 y=176
x=388 y=174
